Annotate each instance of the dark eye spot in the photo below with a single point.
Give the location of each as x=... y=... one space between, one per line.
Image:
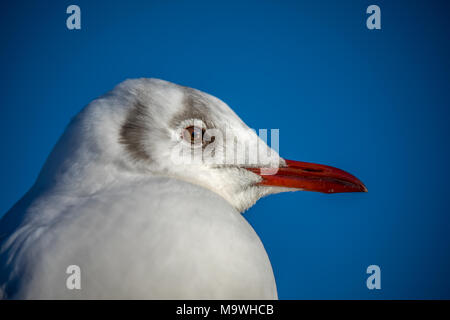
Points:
x=193 y=135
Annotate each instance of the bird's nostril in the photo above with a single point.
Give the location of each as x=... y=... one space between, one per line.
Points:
x=312 y=170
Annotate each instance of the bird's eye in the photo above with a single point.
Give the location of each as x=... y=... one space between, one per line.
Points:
x=193 y=135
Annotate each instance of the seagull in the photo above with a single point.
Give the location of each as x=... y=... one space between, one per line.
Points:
x=142 y=221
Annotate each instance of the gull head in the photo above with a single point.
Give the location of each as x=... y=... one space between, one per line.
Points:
x=149 y=127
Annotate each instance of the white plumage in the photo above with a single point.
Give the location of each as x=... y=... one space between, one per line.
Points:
x=109 y=201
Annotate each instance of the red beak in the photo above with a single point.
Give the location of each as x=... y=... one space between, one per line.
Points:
x=311 y=177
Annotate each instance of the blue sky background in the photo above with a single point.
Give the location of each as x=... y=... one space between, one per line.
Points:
x=374 y=103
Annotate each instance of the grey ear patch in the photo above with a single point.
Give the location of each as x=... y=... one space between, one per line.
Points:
x=134 y=130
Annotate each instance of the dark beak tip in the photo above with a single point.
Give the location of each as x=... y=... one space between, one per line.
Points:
x=362 y=187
